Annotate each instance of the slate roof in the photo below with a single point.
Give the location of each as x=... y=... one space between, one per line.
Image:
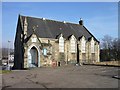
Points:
x=51 y=28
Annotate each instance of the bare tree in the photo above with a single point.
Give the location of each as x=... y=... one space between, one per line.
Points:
x=116 y=49
x=110 y=48
x=107 y=42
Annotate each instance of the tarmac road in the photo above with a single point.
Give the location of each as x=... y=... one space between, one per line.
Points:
x=63 y=77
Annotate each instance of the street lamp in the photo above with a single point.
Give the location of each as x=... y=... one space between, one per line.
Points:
x=8 y=52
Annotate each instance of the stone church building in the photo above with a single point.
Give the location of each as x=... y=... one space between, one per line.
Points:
x=40 y=42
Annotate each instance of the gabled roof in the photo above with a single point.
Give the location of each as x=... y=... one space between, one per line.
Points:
x=58 y=36
x=27 y=39
x=50 y=28
x=82 y=37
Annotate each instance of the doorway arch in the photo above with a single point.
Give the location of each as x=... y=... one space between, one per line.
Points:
x=33 y=56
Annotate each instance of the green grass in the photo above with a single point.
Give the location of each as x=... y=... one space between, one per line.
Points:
x=4 y=71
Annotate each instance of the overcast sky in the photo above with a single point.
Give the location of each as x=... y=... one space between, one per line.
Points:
x=99 y=18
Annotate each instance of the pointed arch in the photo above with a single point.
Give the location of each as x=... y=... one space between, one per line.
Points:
x=61 y=43
x=30 y=62
x=72 y=44
x=83 y=44
x=92 y=44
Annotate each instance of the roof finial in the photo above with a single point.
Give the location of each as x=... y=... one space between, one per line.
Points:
x=64 y=22
x=81 y=21
x=43 y=18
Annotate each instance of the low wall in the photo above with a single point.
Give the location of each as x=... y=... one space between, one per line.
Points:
x=111 y=63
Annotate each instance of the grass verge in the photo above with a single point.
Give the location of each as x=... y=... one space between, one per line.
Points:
x=4 y=71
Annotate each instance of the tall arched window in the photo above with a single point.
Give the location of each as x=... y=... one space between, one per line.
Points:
x=61 y=44
x=83 y=42
x=92 y=46
x=73 y=44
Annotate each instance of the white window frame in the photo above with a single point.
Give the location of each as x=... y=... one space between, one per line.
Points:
x=83 y=45
x=61 y=44
x=72 y=44
x=92 y=46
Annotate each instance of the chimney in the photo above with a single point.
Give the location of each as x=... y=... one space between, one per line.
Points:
x=81 y=22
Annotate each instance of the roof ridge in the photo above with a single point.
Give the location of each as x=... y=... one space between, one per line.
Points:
x=49 y=19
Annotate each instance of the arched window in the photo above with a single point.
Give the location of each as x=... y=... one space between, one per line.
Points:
x=83 y=42
x=73 y=44
x=61 y=44
x=92 y=46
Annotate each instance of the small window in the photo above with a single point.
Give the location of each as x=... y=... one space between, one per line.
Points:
x=45 y=51
x=34 y=39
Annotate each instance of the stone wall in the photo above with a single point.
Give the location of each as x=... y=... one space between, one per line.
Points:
x=113 y=63
x=64 y=58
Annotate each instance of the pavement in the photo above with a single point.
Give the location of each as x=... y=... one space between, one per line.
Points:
x=62 y=77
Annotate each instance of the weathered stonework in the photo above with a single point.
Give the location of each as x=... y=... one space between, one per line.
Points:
x=55 y=55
